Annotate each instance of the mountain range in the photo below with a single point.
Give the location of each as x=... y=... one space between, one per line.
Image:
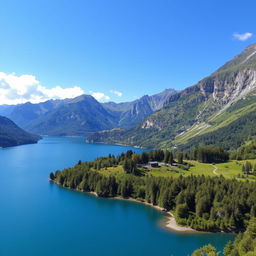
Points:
x=219 y=110
x=82 y=115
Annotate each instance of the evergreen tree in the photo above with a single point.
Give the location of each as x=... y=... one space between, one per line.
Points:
x=228 y=248
x=182 y=211
x=254 y=170
x=248 y=168
x=127 y=165
x=167 y=156
x=52 y=176
x=207 y=250
x=144 y=158
x=180 y=158
x=171 y=158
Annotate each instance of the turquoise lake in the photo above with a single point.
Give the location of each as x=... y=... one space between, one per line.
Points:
x=40 y=218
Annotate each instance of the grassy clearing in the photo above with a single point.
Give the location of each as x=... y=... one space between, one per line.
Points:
x=230 y=170
x=166 y=171
x=116 y=171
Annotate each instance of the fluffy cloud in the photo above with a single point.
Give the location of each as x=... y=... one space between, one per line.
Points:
x=242 y=37
x=20 y=89
x=100 y=96
x=117 y=93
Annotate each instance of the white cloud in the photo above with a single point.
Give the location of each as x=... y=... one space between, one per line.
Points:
x=242 y=37
x=20 y=89
x=117 y=93
x=100 y=96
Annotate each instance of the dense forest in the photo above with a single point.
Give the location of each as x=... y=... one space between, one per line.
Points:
x=203 y=203
x=244 y=244
x=246 y=151
x=248 y=168
x=209 y=155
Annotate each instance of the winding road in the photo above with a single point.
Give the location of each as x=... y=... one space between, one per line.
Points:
x=215 y=170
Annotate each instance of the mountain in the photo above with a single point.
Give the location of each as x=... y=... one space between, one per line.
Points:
x=130 y=113
x=77 y=117
x=82 y=115
x=23 y=114
x=195 y=115
x=12 y=135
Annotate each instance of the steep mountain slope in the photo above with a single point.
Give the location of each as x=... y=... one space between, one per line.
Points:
x=78 y=116
x=212 y=103
x=131 y=113
x=230 y=136
x=12 y=135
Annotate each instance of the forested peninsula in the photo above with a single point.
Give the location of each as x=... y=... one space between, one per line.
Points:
x=200 y=202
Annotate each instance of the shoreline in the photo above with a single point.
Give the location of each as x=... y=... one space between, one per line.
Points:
x=117 y=144
x=172 y=224
x=169 y=223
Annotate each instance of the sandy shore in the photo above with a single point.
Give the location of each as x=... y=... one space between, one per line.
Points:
x=172 y=224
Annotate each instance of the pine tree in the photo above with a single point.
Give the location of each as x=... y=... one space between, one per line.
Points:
x=248 y=167
x=167 y=156
x=144 y=158
x=228 y=248
x=127 y=165
x=243 y=168
x=171 y=158
x=254 y=170
x=52 y=177
x=180 y=158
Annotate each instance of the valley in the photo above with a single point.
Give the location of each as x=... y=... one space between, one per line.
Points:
x=127 y=128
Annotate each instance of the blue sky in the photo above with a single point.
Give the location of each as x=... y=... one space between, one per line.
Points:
x=133 y=47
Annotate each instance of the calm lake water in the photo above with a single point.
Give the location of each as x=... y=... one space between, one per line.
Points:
x=41 y=218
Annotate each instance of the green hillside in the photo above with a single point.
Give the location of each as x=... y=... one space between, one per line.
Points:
x=202 y=114
x=12 y=135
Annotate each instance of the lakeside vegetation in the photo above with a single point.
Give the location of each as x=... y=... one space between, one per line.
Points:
x=201 y=199
x=244 y=244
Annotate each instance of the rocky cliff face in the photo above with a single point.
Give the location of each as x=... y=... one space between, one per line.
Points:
x=231 y=87
x=234 y=81
x=201 y=107
x=131 y=113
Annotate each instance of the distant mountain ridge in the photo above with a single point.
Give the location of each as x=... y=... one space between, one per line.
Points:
x=77 y=117
x=82 y=115
x=22 y=114
x=131 y=113
x=12 y=135
x=216 y=101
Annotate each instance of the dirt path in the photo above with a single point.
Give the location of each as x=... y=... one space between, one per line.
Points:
x=215 y=170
